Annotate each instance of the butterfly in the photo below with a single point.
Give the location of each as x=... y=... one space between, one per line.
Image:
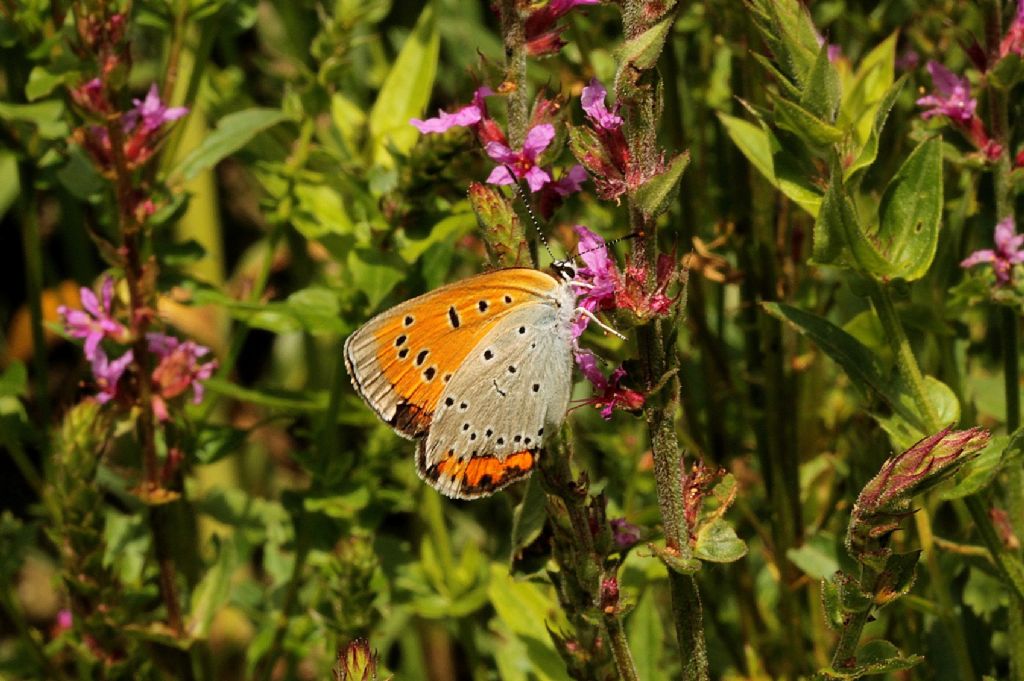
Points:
x=478 y=371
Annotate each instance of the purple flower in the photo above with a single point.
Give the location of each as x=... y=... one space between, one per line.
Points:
x=543 y=36
x=592 y=100
x=151 y=112
x=468 y=115
x=179 y=370
x=608 y=394
x=108 y=373
x=64 y=620
x=1006 y=254
x=624 y=533
x=598 y=278
x=908 y=60
x=571 y=182
x=522 y=164
x=94 y=323
x=952 y=96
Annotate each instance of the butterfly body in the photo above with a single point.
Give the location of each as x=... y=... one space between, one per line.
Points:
x=479 y=371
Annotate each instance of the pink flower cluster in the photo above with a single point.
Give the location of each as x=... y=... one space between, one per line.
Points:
x=1004 y=256
x=543 y=34
x=603 y=287
x=603 y=149
x=142 y=126
x=1013 y=41
x=952 y=100
x=513 y=164
x=179 y=364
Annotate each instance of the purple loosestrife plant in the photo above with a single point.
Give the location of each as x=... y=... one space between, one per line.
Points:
x=1008 y=252
x=94 y=322
x=543 y=33
x=467 y=116
x=952 y=100
x=522 y=164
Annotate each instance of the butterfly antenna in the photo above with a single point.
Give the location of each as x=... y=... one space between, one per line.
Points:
x=612 y=242
x=533 y=216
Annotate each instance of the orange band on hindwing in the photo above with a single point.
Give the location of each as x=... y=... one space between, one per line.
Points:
x=476 y=476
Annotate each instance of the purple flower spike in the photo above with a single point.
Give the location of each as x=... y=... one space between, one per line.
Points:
x=608 y=394
x=522 y=164
x=592 y=100
x=179 y=368
x=599 y=277
x=952 y=96
x=1013 y=41
x=94 y=322
x=151 y=112
x=108 y=373
x=1007 y=252
x=470 y=114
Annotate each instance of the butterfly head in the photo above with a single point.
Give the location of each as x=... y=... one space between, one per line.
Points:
x=565 y=269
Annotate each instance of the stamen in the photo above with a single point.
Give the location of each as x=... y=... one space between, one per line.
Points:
x=587 y=313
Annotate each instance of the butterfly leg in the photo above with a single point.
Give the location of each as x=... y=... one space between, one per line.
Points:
x=587 y=313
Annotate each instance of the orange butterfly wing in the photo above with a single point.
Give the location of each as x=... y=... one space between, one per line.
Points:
x=401 y=360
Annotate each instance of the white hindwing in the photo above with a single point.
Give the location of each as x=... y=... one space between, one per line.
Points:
x=511 y=391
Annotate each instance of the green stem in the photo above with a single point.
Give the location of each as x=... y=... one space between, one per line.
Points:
x=913 y=380
x=849 y=635
x=620 y=647
x=906 y=363
x=513 y=32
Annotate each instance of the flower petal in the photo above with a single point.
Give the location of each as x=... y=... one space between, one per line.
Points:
x=537 y=177
x=500 y=175
x=537 y=140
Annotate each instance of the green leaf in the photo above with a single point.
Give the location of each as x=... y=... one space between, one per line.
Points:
x=874 y=657
x=14 y=380
x=42 y=82
x=233 y=132
x=47 y=116
x=789 y=32
x=320 y=210
x=816 y=557
x=527 y=525
x=1007 y=72
x=858 y=362
x=1001 y=452
x=213 y=590
x=655 y=195
x=406 y=91
x=869 y=152
x=215 y=442
x=524 y=609
x=872 y=82
x=642 y=51
x=717 y=543
x=764 y=152
x=831 y=601
x=904 y=426
x=897 y=577
x=910 y=213
x=10 y=182
x=804 y=124
x=449 y=229
x=821 y=93
x=340 y=505
x=646 y=636
x=280 y=400
x=79 y=176
x=375 y=273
